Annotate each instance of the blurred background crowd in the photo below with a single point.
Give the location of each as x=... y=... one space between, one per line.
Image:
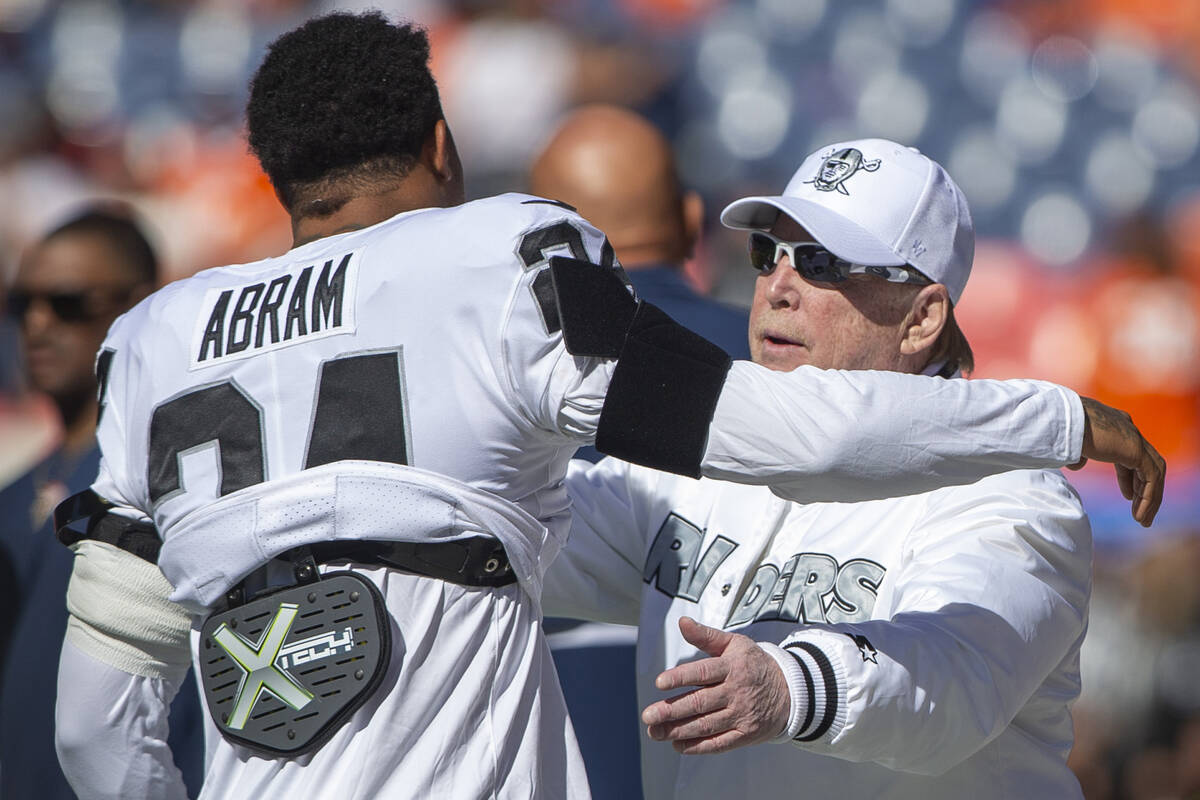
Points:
x=1073 y=126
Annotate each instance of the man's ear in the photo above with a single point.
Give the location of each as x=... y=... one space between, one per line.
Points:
x=930 y=311
x=445 y=156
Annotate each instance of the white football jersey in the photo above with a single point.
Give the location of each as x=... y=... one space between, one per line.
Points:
x=429 y=340
x=406 y=381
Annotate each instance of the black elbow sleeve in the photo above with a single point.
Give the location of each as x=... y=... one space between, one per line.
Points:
x=665 y=386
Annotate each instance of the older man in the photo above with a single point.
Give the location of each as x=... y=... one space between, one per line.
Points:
x=916 y=647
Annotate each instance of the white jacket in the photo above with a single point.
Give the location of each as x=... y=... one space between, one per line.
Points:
x=941 y=630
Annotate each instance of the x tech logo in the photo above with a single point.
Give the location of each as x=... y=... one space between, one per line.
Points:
x=257 y=662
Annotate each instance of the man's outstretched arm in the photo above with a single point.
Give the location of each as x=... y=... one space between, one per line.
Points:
x=829 y=435
x=676 y=402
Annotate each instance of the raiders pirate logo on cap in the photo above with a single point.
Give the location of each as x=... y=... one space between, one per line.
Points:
x=837 y=168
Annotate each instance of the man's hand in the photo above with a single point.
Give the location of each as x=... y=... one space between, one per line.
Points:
x=742 y=696
x=1109 y=435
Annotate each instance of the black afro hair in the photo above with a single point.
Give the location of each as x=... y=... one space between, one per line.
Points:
x=340 y=92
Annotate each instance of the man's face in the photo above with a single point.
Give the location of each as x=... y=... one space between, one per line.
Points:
x=92 y=288
x=856 y=324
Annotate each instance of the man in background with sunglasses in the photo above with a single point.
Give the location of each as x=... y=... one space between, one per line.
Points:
x=925 y=646
x=69 y=288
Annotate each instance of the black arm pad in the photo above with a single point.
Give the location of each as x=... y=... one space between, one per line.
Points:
x=139 y=538
x=664 y=389
x=595 y=307
x=662 y=396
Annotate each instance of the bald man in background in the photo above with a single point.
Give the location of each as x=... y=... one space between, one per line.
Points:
x=619 y=172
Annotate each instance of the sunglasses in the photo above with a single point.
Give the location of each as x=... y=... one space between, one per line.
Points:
x=81 y=306
x=815 y=263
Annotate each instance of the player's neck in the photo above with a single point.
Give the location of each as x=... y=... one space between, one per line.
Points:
x=433 y=180
x=363 y=211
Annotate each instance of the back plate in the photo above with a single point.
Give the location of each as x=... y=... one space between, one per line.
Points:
x=283 y=672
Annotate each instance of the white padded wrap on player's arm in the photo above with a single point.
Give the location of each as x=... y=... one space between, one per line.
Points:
x=120 y=614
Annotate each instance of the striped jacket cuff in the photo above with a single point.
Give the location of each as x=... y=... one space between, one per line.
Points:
x=798 y=689
x=818 y=672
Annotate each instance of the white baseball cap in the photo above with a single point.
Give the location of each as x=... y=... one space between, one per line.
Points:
x=877 y=203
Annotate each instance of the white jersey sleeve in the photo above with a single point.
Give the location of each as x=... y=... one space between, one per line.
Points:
x=598 y=573
x=992 y=600
x=125 y=654
x=829 y=435
x=119 y=379
x=111 y=731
